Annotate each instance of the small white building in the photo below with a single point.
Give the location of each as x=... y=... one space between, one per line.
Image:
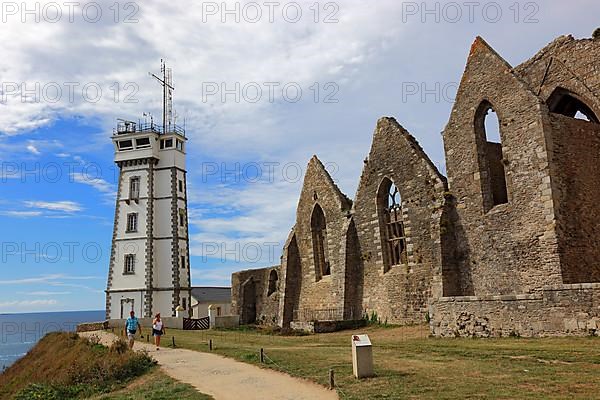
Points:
x=218 y=297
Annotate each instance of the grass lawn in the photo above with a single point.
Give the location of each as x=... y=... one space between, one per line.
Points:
x=409 y=364
x=155 y=386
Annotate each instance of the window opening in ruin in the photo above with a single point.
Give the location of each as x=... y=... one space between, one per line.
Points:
x=487 y=125
x=273 y=278
x=393 y=226
x=561 y=101
x=319 y=238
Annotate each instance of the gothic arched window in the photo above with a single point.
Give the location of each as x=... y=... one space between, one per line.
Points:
x=561 y=101
x=318 y=229
x=273 y=279
x=393 y=238
x=491 y=155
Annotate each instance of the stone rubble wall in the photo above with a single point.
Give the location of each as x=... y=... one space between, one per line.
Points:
x=554 y=311
x=267 y=307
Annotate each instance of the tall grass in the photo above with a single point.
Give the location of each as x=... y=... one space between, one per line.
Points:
x=66 y=366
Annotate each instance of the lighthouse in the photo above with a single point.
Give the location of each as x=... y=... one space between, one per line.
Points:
x=149 y=270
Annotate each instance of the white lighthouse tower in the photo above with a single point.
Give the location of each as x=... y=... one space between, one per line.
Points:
x=149 y=268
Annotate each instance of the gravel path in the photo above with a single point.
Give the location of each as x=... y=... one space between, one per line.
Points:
x=224 y=378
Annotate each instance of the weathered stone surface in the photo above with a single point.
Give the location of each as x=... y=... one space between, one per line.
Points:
x=251 y=296
x=505 y=246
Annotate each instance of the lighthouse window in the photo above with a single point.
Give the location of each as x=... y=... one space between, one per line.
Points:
x=180 y=185
x=132 y=222
x=183 y=262
x=181 y=217
x=129 y=264
x=179 y=145
x=125 y=145
x=166 y=144
x=134 y=188
x=142 y=143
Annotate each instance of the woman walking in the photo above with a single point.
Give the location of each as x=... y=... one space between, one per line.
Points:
x=158 y=329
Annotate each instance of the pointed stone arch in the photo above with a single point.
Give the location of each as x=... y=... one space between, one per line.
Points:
x=391 y=224
x=248 y=315
x=565 y=102
x=318 y=228
x=273 y=282
x=491 y=157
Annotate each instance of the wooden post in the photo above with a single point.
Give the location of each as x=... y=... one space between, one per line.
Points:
x=173 y=337
x=262 y=356
x=331 y=379
x=148 y=338
x=210 y=344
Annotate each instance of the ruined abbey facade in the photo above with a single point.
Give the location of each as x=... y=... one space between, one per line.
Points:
x=507 y=244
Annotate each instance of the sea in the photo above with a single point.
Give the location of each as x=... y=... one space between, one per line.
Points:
x=20 y=332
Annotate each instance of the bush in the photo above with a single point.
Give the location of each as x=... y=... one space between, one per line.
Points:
x=64 y=366
x=119 y=346
x=36 y=391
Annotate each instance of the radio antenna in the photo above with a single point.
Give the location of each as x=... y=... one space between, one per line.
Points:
x=167 y=83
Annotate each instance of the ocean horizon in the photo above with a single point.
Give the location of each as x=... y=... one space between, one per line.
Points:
x=20 y=332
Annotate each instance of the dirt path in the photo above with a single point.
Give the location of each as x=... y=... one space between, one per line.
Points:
x=224 y=378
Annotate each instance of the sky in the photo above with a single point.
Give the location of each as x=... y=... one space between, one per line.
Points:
x=260 y=88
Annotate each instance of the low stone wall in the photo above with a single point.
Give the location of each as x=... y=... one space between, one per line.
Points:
x=326 y=326
x=561 y=310
x=92 y=326
x=226 y=322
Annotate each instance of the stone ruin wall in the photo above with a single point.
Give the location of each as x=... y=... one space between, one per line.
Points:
x=250 y=296
x=399 y=295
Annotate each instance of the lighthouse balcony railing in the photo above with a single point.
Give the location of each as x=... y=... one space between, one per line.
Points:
x=129 y=127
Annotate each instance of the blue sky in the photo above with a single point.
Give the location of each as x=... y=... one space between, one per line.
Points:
x=245 y=156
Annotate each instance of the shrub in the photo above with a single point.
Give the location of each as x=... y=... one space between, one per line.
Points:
x=119 y=346
x=65 y=366
x=36 y=391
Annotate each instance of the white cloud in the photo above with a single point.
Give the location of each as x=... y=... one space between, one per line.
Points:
x=52 y=279
x=64 y=206
x=22 y=214
x=27 y=305
x=45 y=293
x=32 y=149
x=97 y=183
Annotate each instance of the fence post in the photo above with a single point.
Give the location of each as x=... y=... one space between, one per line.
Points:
x=210 y=344
x=262 y=356
x=331 y=379
x=173 y=338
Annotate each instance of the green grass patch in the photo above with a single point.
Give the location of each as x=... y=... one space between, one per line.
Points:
x=155 y=386
x=409 y=364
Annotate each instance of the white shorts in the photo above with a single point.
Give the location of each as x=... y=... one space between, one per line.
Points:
x=130 y=336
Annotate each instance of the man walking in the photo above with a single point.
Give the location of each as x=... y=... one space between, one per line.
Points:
x=131 y=326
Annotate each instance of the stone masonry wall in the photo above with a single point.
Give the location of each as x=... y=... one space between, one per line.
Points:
x=265 y=306
x=576 y=150
x=318 y=294
x=513 y=246
x=554 y=311
x=399 y=295
x=568 y=63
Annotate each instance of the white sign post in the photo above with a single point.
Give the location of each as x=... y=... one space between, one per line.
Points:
x=362 y=356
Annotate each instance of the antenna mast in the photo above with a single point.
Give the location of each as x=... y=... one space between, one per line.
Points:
x=167 y=83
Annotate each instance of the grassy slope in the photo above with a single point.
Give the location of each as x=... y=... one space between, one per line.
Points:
x=411 y=365
x=63 y=365
x=155 y=386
